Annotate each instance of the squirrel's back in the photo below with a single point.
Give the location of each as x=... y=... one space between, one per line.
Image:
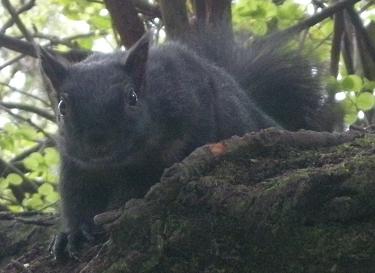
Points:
x=284 y=82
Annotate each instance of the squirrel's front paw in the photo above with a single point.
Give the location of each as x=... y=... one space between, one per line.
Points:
x=65 y=245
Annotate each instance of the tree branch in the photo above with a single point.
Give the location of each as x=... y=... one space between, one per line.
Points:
x=68 y=41
x=26 y=93
x=20 y=190
x=125 y=20
x=27 y=48
x=313 y=20
x=200 y=8
x=17 y=45
x=357 y=23
x=175 y=17
x=336 y=43
x=146 y=8
x=22 y=9
x=11 y=61
x=220 y=15
x=26 y=120
x=348 y=53
x=40 y=146
x=17 y=20
x=29 y=108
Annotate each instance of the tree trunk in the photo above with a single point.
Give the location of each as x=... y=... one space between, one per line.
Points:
x=273 y=201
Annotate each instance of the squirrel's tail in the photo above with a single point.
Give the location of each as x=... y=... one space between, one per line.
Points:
x=282 y=82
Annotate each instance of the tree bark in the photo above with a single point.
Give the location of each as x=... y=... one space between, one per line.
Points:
x=175 y=17
x=220 y=15
x=266 y=202
x=125 y=20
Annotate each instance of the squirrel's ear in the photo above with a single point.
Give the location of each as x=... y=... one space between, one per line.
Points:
x=55 y=68
x=136 y=59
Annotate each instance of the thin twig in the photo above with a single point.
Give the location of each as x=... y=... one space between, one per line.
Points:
x=313 y=20
x=53 y=40
x=29 y=108
x=361 y=30
x=22 y=9
x=28 y=48
x=336 y=43
x=26 y=93
x=365 y=7
x=12 y=61
x=27 y=120
x=17 y=20
x=40 y=146
x=7 y=168
x=125 y=20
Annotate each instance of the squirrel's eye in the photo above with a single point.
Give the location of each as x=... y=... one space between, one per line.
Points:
x=132 y=98
x=62 y=107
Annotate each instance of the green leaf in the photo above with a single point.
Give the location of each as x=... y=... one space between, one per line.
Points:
x=10 y=128
x=350 y=110
x=15 y=209
x=369 y=86
x=34 y=202
x=28 y=132
x=101 y=22
x=333 y=84
x=3 y=184
x=52 y=197
x=33 y=161
x=365 y=101
x=350 y=118
x=14 y=179
x=45 y=189
x=352 y=83
x=51 y=156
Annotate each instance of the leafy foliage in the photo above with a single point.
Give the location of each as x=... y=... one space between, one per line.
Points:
x=264 y=16
x=357 y=96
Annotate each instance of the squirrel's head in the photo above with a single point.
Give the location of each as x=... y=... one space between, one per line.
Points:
x=102 y=114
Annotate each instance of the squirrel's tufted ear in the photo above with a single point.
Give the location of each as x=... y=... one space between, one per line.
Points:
x=53 y=67
x=136 y=59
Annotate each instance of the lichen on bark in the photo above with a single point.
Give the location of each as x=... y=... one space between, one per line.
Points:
x=272 y=201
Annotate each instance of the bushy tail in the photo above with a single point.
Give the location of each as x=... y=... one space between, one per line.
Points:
x=282 y=82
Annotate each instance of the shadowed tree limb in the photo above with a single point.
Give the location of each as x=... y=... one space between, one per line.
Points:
x=348 y=48
x=27 y=48
x=12 y=61
x=38 y=147
x=125 y=20
x=22 y=9
x=147 y=9
x=313 y=20
x=175 y=17
x=27 y=120
x=19 y=190
x=29 y=108
x=200 y=9
x=46 y=103
x=357 y=23
x=220 y=14
x=21 y=26
x=336 y=43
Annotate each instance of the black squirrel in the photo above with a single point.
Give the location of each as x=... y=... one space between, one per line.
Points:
x=125 y=116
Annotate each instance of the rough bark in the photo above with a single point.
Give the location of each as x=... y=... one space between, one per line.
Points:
x=220 y=14
x=175 y=17
x=125 y=20
x=272 y=201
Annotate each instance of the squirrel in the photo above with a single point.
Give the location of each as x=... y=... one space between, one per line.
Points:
x=124 y=117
